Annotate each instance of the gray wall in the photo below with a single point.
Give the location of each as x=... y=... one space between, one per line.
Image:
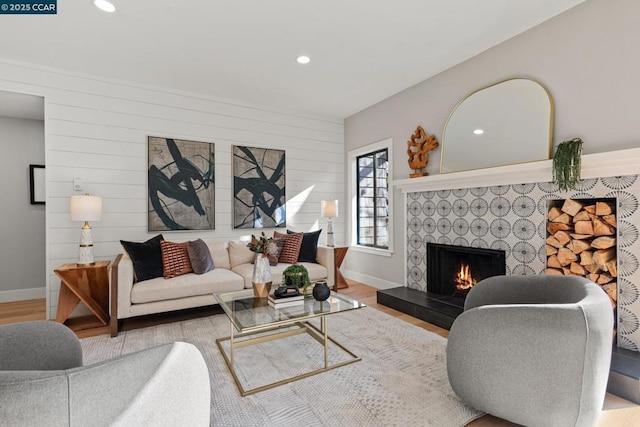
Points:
x=587 y=58
x=22 y=228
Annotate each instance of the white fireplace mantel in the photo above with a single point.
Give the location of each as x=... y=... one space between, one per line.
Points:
x=612 y=163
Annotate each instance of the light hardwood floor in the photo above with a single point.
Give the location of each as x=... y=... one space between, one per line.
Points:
x=617 y=412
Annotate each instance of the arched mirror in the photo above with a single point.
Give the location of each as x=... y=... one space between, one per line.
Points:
x=505 y=123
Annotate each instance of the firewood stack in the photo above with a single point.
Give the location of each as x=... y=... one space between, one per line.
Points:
x=582 y=242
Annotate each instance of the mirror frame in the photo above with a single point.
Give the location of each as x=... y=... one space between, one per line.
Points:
x=550 y=133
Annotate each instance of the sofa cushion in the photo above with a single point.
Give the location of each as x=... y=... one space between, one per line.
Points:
x=187 y=285
x=146 y=257
x=316 y=272
x=239 y=253
x=291 y=247
x=200 y=256
x=175 y=259
x=309 y=246
x=220 y=254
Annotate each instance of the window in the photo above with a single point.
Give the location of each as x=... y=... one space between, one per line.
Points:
x=371 y=202
x=370 y=184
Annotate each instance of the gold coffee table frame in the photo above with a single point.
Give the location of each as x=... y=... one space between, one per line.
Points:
x=269 y=322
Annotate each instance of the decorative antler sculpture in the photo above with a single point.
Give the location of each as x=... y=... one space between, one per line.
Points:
x=417 y=148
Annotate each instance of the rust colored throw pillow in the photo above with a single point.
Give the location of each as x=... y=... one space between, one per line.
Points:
x=290 y=247
x=175 y=259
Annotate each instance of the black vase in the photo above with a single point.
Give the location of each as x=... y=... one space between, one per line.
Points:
x=321 y=291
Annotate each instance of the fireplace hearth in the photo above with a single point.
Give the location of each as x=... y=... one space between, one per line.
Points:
x=451 y=273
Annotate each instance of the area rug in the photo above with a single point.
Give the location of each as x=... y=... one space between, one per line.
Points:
x=400 y=381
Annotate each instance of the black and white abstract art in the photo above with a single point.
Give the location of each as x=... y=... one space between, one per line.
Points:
x=258 y=188
x=181 y=184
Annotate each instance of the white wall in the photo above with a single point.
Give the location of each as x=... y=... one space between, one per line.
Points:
x=588 y=59
x=96 y=130
x=22 y=228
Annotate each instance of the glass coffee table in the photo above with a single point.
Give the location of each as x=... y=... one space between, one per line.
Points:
x=253 y=321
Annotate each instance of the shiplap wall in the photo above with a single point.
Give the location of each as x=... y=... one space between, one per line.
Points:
x=96 y=129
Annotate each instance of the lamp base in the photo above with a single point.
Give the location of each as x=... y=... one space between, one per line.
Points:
x=330 y=241
x=85 y=253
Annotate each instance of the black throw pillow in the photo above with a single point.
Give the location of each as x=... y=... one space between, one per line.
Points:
x=309 y=247
x=146 y=258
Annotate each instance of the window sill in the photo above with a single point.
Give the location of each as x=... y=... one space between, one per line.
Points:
x=372 y=251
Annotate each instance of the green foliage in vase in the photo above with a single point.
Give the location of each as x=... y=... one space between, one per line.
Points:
x=296 y=275
x=566 y=164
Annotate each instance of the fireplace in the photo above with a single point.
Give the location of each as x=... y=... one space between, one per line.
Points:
x=453 y=270
x=451 y=273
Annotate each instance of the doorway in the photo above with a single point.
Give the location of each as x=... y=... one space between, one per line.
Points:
x=23 y=288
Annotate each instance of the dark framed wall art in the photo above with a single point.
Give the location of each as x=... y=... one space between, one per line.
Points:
x=181 y=181
x=258 y=188
x=37 y=184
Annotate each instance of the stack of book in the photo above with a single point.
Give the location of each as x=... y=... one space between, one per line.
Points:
x=286 y=301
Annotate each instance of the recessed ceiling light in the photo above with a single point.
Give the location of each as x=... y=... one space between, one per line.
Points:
x=303 y=59
x=478 y=131
x=104 y=5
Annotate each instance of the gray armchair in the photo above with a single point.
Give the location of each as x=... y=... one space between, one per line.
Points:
x=534 y=350
x=43 y=382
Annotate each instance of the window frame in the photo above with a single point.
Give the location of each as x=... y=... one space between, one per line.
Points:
x=353 y=156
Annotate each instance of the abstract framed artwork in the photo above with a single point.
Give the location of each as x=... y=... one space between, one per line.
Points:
x=36 y=184
x=181 y=184
x=258 y=188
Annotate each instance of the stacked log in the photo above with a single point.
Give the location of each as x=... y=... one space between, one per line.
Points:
x=581 y=241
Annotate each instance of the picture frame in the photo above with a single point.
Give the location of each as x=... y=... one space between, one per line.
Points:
x=37 y=184
x=181 y=184
x=259 y=182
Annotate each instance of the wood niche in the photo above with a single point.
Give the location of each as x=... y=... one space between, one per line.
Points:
x=581 y=241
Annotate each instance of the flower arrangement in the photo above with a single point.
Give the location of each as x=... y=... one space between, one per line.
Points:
x=263 y=245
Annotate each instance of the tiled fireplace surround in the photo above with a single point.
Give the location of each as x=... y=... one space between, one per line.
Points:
x=505 y=208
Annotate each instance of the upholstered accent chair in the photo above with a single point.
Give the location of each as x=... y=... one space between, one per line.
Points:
x=534 y=350
x=43 y=382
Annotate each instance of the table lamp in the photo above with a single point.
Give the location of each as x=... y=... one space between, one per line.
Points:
x=85 y=208
x=329 y=209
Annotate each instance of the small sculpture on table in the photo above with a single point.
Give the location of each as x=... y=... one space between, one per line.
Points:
x=417 y=148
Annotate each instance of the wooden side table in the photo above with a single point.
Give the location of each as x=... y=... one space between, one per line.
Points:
x=339 y=252
x=86 y=283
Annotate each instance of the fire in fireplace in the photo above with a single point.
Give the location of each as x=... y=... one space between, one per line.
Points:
x=464 y=280
x=453 y=270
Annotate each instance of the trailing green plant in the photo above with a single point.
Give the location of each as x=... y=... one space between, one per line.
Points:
x=296 y=275
x=566 y=164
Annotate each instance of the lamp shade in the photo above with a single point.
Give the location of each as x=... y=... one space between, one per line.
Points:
x=85 y=208
x=329 y=208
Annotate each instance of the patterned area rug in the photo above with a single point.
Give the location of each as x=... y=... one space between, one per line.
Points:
x=400 y=381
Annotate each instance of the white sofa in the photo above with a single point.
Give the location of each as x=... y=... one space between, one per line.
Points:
x=233 y=271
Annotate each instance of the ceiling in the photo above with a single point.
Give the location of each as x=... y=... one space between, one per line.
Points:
x=362 y=51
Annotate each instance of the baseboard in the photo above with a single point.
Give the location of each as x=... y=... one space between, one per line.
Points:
x=370 y=280
x=22 y=294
